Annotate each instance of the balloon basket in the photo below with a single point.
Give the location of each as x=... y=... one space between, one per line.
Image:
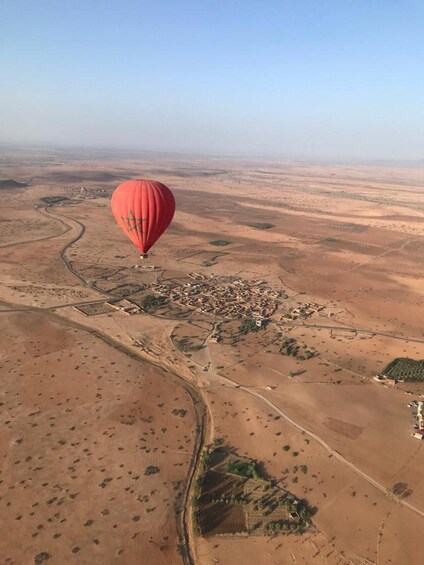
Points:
x=144 y=256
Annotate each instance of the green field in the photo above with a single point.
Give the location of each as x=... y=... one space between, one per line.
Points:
x=220 y=242
x=231 y=498
x=242 y=468
x=10 y=183
x=53 y=199
x=405 y=369
x=259 y=226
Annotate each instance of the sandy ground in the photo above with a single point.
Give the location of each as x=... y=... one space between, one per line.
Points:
x=348 y=237
x=82 y=423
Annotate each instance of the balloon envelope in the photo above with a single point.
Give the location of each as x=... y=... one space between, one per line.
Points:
x=143 y=210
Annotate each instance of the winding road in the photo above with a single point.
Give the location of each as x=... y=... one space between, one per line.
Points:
x=45 y=237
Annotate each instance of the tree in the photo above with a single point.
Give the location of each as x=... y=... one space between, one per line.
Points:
x=151 y=301
x=248 y=326
x=151 y=470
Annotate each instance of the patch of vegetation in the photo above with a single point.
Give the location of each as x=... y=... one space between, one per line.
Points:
x=291 y=347
x=403 y=368
x=41 y=557
x=401 y=490
x=220 y=242
x=54 y=199
x=358 y=228
x=10 y=183
x=151 y=470
x=124 y=290
x=300 y=515
x=179 y=412
x=182 y=550
x=248 y=326
x=151 y=301
x=185 y=344
x=203 y=465
x=247 y=469
x=331 y=239
x=231 y=498
x=260 y=226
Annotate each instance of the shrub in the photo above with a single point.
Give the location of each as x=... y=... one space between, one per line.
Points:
x=151 y=301
x=243 y=468
x=179 y=412
x=248 y=326
x=40 y=557
x=151 y=470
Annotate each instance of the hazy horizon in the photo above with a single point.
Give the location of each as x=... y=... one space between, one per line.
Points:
x=296 y=80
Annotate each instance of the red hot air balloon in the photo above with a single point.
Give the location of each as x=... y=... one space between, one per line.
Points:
x=143 y=210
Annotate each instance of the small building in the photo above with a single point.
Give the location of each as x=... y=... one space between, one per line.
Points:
x=385 y=380
x=126 y=306
x=419 y=435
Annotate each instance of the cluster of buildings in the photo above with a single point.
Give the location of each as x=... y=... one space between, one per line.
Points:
x=417 y=407
x=303 y=311
x=82 y=193
x=146 y=267
x=219 y=296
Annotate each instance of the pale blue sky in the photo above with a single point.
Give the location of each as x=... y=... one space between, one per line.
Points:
x=299 y=78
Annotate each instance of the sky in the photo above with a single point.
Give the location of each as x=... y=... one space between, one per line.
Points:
x=291 y=79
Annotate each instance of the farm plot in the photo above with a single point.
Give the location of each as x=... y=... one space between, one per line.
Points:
x=234 y=499
x=204 y=258
x=405 y=369
x=96 y=309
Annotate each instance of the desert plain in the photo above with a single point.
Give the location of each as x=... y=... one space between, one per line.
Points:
x=106 y=415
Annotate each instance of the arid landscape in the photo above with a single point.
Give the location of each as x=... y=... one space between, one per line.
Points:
x=256 y=329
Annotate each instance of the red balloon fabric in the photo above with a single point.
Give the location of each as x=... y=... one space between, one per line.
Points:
x=143 y=210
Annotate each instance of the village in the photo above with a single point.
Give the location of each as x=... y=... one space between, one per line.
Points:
x=225 y=297
x=231 y=298
x=83 y=193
